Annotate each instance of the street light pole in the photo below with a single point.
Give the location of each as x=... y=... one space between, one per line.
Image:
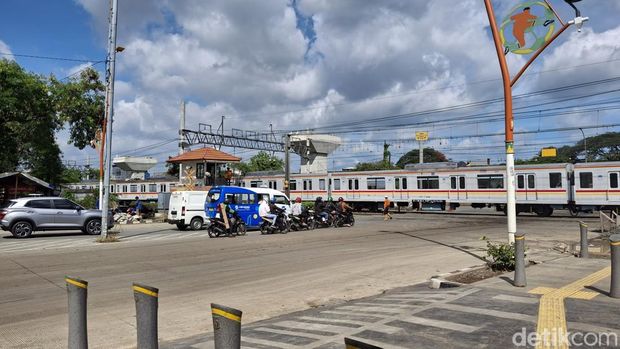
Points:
x=511 y=211
x=110 y=115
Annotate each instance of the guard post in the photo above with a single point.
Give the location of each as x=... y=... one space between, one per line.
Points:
x=226 y=327
x=583 y=231
x=77 y=290
x=146 y=299
x=614 y=242
x=355 y=344
x=519 y=279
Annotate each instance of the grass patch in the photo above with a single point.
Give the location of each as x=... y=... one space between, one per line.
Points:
x=112 y=237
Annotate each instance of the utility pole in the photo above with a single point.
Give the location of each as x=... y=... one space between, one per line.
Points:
x=287 y=165
x=110 y=113
x=181 y=136
x=421 y=152
x=585 y=144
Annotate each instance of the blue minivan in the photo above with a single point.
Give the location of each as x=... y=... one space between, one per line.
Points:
x=244 y=201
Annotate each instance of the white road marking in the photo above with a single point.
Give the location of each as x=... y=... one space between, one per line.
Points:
x=516 y=299
x=447 y=325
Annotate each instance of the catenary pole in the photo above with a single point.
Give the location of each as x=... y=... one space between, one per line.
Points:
x=110 y=114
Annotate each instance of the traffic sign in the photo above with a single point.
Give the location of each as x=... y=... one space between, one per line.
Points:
x=421 y=136
x=548 y=152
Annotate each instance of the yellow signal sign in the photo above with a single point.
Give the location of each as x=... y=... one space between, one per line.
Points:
x=548 y=152
x=421 y=136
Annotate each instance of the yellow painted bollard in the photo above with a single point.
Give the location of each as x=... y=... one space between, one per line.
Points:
x=147 y=299
x=77 y=292
x=226 y=327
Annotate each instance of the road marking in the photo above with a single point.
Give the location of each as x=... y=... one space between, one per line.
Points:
x=288 y=333
x=400 y=306
x=447 y=325
x=494 y=313
x=375 y=310
x=265 y=342
x=335 y=321
x=551 y=328
x=312 y=326
x=516 y=299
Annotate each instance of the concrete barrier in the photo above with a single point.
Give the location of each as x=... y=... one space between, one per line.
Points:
x=226 y=327
x=146 y=298
x=614 y=244
x=519 y=279
x=583 y=234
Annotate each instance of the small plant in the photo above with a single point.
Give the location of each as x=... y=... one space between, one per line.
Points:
x=112 y=237
x=500 y=256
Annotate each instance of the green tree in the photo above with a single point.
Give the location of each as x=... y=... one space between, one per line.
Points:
x=262 y=162
x=413 y=157
x=33 y=108
x=374 y=166
x=71 y=175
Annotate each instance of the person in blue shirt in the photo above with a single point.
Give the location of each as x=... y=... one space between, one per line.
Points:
x=138 y=206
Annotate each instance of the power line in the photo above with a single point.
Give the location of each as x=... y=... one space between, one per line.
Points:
x=47 y=57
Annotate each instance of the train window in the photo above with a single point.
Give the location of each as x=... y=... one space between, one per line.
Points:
x=490 y=181
x=124 y=188
x=133 y=188
x=428 y=182
x=273 y=185
x=152 y=188
x=321 y=184
x=292 y=185
x=143 y=188
x=255 y=184
x=162 y=188
x=585 y=180
x=404 y=182
x=613 y=180
x=375 y=183
x=112 y=189
x=531 y=184
x=452 y=182
x=521 y=182
x=307 y=184
x=336 y=184
x=357 y=184
x=462 y=182
x=397 y=183
x=555 y=180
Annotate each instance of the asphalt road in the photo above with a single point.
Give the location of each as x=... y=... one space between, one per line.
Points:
x=264 y=276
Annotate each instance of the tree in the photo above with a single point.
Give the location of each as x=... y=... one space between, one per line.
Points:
x=172 y=169
x=605 y=147
x=413 y=157
x=71 y=175
x=374 y=166
x=262 y=162
x=33 y=108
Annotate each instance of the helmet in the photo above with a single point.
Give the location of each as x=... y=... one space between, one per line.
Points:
x=341 y=199
x=298 y=199
x=330 y=199
x=319 y=199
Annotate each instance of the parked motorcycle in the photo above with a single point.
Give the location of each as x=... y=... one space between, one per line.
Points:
x=283 y=225
x=218 y=227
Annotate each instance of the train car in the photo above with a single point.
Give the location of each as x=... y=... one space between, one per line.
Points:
x=539 y=188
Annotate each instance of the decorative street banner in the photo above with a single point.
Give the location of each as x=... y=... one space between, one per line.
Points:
x=527 y=27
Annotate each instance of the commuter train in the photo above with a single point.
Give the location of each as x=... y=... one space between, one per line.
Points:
x=581 y=187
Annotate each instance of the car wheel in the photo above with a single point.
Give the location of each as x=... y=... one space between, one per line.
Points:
x=93 y=227
x=196 y=223
x=181 y=226
x=21 y=229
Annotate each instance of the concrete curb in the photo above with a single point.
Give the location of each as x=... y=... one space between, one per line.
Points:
x=439 y=280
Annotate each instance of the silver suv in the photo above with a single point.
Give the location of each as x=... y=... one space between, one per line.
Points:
x=23 y=216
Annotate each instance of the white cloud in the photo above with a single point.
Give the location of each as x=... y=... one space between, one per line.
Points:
x=4 y=48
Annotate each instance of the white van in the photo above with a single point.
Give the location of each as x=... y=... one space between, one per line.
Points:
x=187 y=208
x=282 y=201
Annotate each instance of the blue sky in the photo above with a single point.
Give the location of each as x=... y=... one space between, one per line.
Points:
x=299 y=64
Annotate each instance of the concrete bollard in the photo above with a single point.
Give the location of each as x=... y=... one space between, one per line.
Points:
x=226 y=327
x=583 y=231
x=77 y=290
x=354 y=344
x=614 y=244
x=146 y=298
x=519 y=279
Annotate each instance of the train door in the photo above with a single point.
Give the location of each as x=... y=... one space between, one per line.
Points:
x=400 y=188
x=353 y=188
x=526 y=187
x=613 y=191
x=457 y=188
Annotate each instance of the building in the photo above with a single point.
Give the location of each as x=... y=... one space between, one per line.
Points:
x=19 y=184
x=207 y=164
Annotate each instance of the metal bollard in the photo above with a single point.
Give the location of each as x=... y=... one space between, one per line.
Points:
x=354 y=344
x=77 y=290
x=519 y=280
x=226 y=327
x=146 y=298
x=614 y=243
x=583 y=231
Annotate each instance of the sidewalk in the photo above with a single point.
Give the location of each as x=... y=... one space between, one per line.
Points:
x=566 y=293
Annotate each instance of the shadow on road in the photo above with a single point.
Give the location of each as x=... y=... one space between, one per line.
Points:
x=438 y=243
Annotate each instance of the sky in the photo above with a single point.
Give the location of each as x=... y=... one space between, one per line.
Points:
x=367 y=71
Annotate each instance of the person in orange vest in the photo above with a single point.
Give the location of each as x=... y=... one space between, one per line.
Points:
x=386 y=209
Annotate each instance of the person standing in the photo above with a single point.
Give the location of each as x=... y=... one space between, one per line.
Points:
x=138 y=207
x=386 y=209
x=228 y=175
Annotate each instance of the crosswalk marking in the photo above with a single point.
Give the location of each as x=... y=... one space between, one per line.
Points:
x=447 y=325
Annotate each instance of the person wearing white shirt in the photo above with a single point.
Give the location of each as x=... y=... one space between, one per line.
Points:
x=264 y=212
x=297 y=208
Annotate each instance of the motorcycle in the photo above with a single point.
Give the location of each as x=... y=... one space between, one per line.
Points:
x=283 y=225
x=321 y=221
x=304 y=221
x=218 y=227
x=344 y=219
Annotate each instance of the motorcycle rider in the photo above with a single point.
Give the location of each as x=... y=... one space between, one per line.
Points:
x=296 y=208
x=319 y=208
x=344 y=209
x=225 y=209
x=264 y=212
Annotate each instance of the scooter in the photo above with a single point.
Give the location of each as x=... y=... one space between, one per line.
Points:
x=218 y=227
x=283 y=225
x=344 y=219
x=304 y=221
